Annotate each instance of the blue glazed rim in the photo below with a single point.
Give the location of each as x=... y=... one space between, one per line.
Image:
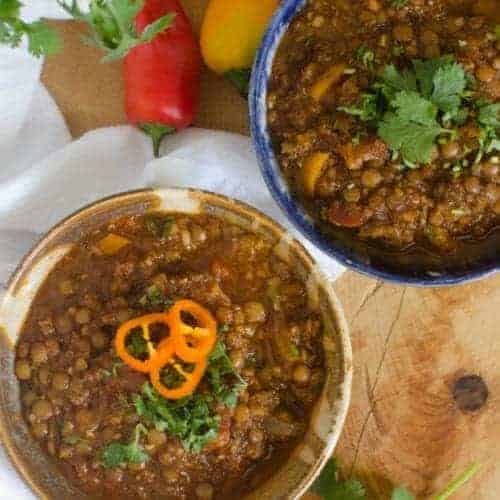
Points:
x=278 y=187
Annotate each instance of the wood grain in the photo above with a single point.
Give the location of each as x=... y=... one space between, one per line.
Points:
x=410 y=345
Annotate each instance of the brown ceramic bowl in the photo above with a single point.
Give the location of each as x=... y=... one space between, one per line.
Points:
x=296 y=475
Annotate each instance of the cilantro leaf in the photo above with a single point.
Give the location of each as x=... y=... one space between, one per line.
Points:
x=136 y=344
x=329 y=486
x=489 y=115
x=411 y=107
x=42 y=40
x=112 y=25
x=449 y=85
x=394 y=81
x=191 y=419
x=116 y=454
x=10 y=9
x=414 y=140
x=402 y=494
x=367 y=109
x=489 y=123
x=155 y=298
x=221 y=373
x=426 y=70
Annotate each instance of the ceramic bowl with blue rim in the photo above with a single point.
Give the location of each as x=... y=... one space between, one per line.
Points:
x=417 y=268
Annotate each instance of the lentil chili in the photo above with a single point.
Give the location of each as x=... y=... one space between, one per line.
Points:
x=366 y=171
x=106 y=424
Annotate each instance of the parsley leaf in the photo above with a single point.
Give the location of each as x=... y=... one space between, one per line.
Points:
x=112 y=25
x=116 y=454
x=329 y=486
x=42 y=40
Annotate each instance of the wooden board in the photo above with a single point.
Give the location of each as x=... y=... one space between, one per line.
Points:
x=411 y=346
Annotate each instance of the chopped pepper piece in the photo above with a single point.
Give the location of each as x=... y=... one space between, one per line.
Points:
x=112 y=244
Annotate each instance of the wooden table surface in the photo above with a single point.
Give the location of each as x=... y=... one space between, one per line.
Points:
x=425 y=399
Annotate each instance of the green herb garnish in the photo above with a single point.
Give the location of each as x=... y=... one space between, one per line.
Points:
x=71 y=439
x=155 y=298
x=398 y=4
x=192 y=419
x=226 y=382
x=136 y=344
x=42 y=40
x=112 y=24
x=366 y=56
x=294 y=350
x=117 y=454
x=489 y=123
x=412 y=108
x=160 y=227
x=330 y=486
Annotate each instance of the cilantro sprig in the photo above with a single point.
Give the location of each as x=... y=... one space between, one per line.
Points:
x=194 y=419
x=118 y=454
x=411 y=108
x=330 y=486
x=488 y=120
x=42 y=40
x=112 y=25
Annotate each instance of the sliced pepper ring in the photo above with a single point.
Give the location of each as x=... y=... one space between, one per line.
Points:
x=165 y=357
x=192 y=343
x=144 y=322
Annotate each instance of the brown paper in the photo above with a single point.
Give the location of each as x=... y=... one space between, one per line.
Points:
x=91 y=95
x=410 y=345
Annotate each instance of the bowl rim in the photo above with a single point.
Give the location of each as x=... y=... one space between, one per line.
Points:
x=20 y=463
x=276 y=182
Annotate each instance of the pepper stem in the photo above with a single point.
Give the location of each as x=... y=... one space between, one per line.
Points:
x=157 y=132
x=240 y=78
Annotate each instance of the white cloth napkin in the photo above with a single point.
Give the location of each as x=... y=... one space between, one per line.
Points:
x=46 y=176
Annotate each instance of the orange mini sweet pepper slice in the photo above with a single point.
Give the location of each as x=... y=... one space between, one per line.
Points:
x=144 y=323
x=192 y=343
x=190 y=381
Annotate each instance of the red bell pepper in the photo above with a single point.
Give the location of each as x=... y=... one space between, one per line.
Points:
x=162 y=59
x=162 y=77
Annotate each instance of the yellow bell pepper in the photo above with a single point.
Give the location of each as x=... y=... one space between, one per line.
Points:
x=313 y=168
x=230 y=35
